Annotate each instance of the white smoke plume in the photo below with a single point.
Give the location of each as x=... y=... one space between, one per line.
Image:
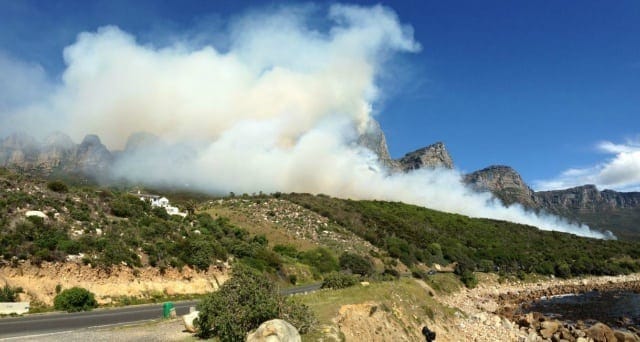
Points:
x=279 y=110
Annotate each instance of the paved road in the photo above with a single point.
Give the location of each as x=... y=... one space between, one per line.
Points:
x=58 y=322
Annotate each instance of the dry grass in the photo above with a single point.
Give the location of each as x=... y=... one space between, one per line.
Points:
x=405 y=300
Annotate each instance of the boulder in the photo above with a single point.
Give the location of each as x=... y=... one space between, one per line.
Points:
x=548 y=328
x=188 y=320
x=601 y=333
x=275 y=330
x=624 y=336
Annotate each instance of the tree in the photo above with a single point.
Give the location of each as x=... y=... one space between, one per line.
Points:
x=356 y=264
x=75 y=299
x=243 y=303
x=57 y=186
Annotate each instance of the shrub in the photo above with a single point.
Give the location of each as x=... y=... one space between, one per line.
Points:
x=9 y=294
x=356 y=264
x=320 y=258
x=338 y=280
x=286 y=250
x=390 y=274
x=469 y=279
x=75 y=299
x=129 y=206
x=57 y=186
x=243 y=303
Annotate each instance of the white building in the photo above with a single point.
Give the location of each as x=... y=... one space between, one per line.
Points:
x=161 y=202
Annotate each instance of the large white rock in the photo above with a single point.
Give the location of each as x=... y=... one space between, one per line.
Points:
x=188 y=321
x=275 y=330
x=37 y=213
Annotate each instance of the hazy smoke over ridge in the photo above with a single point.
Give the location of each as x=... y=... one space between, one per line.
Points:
x=279 y=111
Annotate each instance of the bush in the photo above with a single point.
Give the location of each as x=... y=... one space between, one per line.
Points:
x=75 y=299
x=9 y=294
x=57 y=186
x=338 y=280
x=286 y=250
x=469 y=279
x=243 y=303
x=320 y=258
x=356 y=264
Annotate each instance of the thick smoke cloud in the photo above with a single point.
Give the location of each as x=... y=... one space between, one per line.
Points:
x=621 y=172
x=280 y=110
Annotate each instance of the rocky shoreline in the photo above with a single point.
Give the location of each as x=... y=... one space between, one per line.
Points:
x=492 y=310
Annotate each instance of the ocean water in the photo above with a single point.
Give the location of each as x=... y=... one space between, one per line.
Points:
x=614 y=308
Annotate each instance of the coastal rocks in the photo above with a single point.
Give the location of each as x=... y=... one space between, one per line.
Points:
x=536 y=327
x=601 y=332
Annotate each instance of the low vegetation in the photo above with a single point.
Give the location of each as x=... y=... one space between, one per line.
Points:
x=9 y=294
x=417 y=235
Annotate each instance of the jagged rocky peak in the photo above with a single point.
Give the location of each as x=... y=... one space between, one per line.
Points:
x=504 y=182
x=141 y=140
x=92 y=155
x=91 y=140
x=374 y=139
x=432 y=156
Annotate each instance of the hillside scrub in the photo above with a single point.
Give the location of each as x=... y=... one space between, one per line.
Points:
x=106 y=227
x=415 y=234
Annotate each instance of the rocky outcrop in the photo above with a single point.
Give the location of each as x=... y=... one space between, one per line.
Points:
x=373 y=138
x=275 y=330
x=537 y=327
x=587 y=198
x=432 y=156
x=92 y=156
x=57 y=153
x=504 y=182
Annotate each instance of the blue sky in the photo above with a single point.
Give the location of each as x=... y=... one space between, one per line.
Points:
x=550 y=88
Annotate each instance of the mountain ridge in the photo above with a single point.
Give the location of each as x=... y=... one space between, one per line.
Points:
x=58 y=155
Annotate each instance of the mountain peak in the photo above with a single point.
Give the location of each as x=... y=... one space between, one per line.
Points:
x=91 y=140
x=504 y=182
x=432 y=156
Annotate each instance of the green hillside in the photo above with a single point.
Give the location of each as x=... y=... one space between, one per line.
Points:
x=419 y=235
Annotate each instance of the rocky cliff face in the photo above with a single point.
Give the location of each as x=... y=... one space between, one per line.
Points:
x=587 y=198
x=432 y=156
x=57 y=153
x=618 y=212
x=504 y=182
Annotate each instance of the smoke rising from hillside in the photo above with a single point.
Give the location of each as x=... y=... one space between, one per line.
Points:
x=279 y=111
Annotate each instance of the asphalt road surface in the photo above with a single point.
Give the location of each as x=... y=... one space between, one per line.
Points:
x=41 y=324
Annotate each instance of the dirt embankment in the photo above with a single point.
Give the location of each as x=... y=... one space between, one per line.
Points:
x=39 y=283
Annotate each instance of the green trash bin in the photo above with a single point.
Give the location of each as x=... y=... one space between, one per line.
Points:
x=167 y=307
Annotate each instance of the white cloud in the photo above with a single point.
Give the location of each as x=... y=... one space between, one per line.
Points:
x=279 y=111
x=620 y=172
